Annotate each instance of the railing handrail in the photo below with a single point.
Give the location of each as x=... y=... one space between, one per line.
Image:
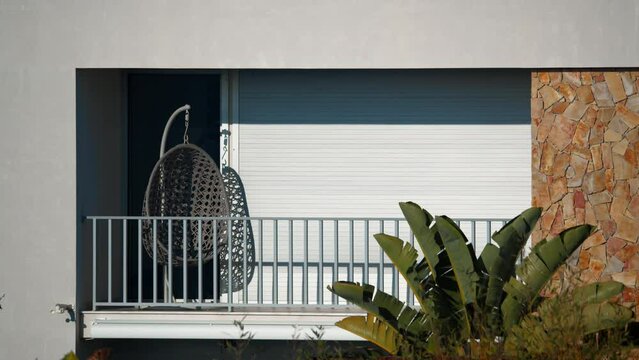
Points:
x=269 y=218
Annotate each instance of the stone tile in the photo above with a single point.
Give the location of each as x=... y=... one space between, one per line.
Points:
x=597 y=133
x=602 y=212
x=633 y=103
x=597 y=267
x=584 y=260
x=566 y=91
x=545 y=126
x=573 y=78
x=548 y=154
x=601 y=93
x=578 y=165
x=535 y=84
x=584 y=94
x=579 y=199
x=558 y=223
x=606 y=155
x=568 y=205
x=562 y=132
x=558 y=188
x=555 y=78
x=536 y=108
x=586 y=78
x=541 y=195
x=536 y=155
x=620 y=147
x=632 y=263
x=618 y=125
x=595 y=153
x=614 y=244
x=600 y=198
x=633 y=207
x=610 y=179
x=605 y=115
x=627 y=229
x=580 y=216
x=544 y=77
x=612 y=136
x=623 y=169
x=615 y=86
x=559 y=107
x=630 y=118
x=582 y=132
x=594 y=240
x=560 y=164
x=547 y=218
x=631 y=156
x=594 y=182
x=576 y=110
x=590 y=215
x=591 y=116
x=613 y=266
x=550 y=96
x=632 y=135
x=628 y=84
x=634 y=185
x=628 y=251
x=608 y=228
x=628 y=278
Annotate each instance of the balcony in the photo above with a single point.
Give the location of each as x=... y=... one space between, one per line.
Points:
x=283 y=279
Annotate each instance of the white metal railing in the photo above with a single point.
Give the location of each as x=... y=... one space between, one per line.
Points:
x=295 y=259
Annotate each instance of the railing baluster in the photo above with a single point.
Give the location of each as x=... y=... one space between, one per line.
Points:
x=289 y=295
x=139 y=262
x=274 y=296
x=244 y=252
x=184 y=263
x=155 y=262
x=395 y=272
x=94 y=270
x=124 y=259
x=260 y=269
x=169 y=260
x=110 y=260
x=335 y=257
x=199 y=261
x=305 y=266
x=215 y=264
x=488 y=231
x=409 y=293
x=351 y=251
x=365 y=279
x=229 y=233
x=380 y=272
x=320 y=265
x=473 y=233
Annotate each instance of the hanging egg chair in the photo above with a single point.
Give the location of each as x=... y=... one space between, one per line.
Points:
x=185 y=182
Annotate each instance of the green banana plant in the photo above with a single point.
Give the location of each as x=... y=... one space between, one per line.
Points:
x=454 y=288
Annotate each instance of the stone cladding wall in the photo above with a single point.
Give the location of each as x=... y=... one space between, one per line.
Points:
x=585 y=144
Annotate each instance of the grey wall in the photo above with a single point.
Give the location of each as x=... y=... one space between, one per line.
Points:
x=43 y=42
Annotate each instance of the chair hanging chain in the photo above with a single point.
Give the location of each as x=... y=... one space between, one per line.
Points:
x=186 y=127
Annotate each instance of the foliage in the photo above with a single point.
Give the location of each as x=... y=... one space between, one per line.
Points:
x=470 y=304
x=238 y=347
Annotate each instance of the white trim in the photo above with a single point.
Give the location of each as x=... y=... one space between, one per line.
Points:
x=212 y=325
x=234 y=119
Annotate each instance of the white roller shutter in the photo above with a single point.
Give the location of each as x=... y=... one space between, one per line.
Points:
x=354 y=143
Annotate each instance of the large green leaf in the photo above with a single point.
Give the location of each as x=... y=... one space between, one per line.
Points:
x=462 y=260
x=603 y=316
x=374 y=330
x=404 y=257
x=538 y=267
x=397 y=314
x=419 y=221
x=499 y=262
x=597 y=292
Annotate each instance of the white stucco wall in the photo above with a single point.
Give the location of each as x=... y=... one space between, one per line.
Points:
x=43 y=42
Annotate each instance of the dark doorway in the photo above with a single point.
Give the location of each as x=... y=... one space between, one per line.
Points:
x=152 y=97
